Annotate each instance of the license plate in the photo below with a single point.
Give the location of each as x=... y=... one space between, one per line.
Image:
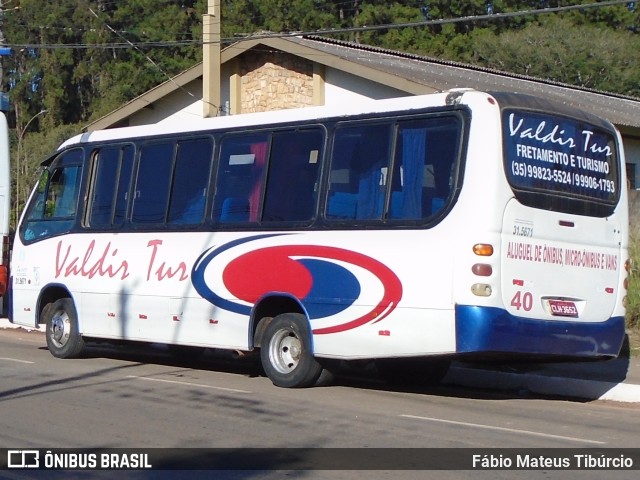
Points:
x=563 y=308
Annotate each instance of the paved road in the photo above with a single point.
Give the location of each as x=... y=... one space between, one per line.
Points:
x=615 y=380
x=137 y=398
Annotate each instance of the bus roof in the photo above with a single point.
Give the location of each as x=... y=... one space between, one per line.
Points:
x=523 y=101
x=364 y=106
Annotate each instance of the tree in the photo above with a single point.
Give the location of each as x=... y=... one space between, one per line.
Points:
x=80 y=59
x=133 y=70
x=251 y=16
x=62 y=66
x=76 y=81
x=35 y=147
x=561 y=51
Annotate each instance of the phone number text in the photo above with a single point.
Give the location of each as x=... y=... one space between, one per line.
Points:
x=522 y=169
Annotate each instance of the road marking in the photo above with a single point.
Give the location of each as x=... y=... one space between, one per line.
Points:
x=189 y=384
x=503 y=429
x=16 y=360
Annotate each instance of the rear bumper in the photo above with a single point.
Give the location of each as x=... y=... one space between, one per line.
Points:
x=494 y=330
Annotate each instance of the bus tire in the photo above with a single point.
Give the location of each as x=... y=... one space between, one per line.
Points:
x=413 y=371
x=285 y=352
x=63 y=338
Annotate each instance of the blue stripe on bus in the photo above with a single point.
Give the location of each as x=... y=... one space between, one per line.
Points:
x=494 y=330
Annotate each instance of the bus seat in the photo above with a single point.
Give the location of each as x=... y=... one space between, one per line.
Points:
x=437 y=204
x=396 y=206
x=234 y=210
x=342 y=205
x=370 y=195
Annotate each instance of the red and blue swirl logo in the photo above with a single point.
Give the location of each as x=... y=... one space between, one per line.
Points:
x=328 y=281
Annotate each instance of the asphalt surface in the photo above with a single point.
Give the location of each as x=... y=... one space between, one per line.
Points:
x=615 y=380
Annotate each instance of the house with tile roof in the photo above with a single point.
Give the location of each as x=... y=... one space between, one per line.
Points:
x=277 y=72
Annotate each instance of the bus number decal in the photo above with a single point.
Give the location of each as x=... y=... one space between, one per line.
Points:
x=522 y=301
x=522 y=229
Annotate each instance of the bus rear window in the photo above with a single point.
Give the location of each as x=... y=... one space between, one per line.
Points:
x=560 y=164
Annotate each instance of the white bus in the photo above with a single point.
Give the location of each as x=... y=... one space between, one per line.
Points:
x=407 y=231
x=5 y=206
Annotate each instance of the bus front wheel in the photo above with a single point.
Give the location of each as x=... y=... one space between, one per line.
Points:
x=285 y=352
x=63 y=337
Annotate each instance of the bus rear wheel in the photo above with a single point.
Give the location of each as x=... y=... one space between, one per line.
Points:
x=63 y=337
x=285 y=352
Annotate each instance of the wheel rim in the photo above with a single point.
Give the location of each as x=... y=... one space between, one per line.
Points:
x=285 y=350
x=60 y=329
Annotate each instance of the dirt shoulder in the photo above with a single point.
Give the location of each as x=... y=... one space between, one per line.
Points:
x=634 y=342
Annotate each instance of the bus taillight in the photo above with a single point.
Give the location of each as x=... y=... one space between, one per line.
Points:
x=4 y=269
x=4 y=277
x=483 y=249
x=482 y=270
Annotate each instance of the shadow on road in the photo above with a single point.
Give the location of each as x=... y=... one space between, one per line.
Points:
x=364 y=375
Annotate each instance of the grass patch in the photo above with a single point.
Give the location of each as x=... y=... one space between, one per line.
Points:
x=633 y=296
x=634 y=342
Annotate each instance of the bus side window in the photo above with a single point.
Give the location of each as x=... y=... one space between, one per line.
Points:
x=111 y=177
x=153 y=180
x=292 y=184
x=53 y=208
x=425 y=155
x=124 y=183
x=103 y=186
x=240 y=179
x=190 y=180
x=63 y=193
x=358 y=176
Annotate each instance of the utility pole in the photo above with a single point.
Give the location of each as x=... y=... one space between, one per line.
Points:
x=211 y=58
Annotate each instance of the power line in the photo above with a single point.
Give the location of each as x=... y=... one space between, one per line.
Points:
x=472 y=18
x=319 y=32
x=149 y=59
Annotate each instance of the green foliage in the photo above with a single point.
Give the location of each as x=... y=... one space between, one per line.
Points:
x=71 y=83
x=404 y=39
x=34 y=148
x=594 y=48
x=84 y=83
x=77 y=85
x=633 y=292
x=244 y=17
x=558 y=50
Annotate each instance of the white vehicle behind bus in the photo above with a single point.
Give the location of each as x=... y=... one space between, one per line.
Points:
x=407 y=231
x=5 y=206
